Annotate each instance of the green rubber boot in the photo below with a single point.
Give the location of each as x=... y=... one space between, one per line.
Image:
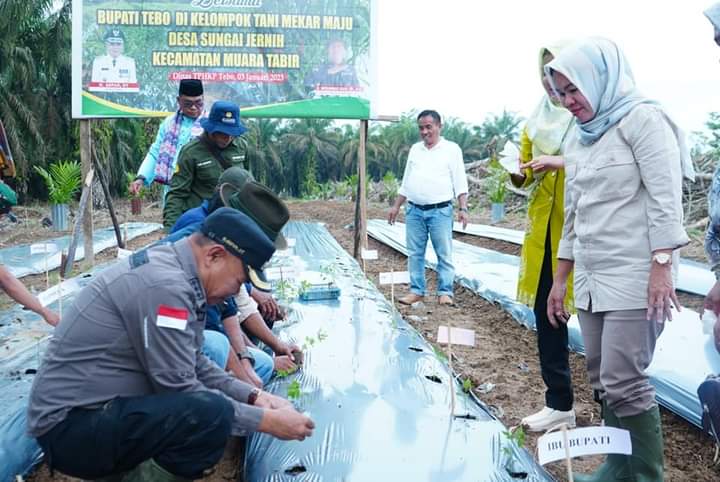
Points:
x=150 y=471
x=646 y=462
x=616 y=466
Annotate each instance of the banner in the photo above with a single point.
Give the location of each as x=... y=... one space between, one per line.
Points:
x=274 y=58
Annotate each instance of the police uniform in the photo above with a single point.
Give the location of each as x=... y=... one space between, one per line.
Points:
x=196 y=176
x=108 y=69
x=129 y=345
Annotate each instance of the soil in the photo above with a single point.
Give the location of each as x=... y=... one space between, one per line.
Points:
x=505 y=355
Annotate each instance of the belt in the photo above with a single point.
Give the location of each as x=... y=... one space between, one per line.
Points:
x=425 y=207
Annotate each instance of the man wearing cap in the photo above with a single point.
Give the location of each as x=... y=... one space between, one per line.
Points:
x=202 y=160
x=114 y=72
x=9 y=283
x=237 y=189
x=174 y=132
x=125 y=366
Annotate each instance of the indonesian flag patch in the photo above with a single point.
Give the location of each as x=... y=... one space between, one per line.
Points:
x=169 y=317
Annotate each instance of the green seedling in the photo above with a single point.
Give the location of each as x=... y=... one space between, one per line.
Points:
x=305 y=285
x=285 y=290
x=467 y=385
x=321 y=335
x=516 y=436
x=285 y=373
x=309 y=342
x=294 y=390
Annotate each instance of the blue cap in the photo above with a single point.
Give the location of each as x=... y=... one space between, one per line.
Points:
x=242 y=237
x=224 y=117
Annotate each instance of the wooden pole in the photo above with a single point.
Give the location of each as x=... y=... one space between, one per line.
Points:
x=87 y=215
x=67 y=267
x=108 y=199
x=361 y=198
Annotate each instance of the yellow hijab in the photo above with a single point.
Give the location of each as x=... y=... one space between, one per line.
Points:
x=549 y=123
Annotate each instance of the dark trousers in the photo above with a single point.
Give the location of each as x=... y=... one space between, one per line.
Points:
x=185 y=433
x=552 y=342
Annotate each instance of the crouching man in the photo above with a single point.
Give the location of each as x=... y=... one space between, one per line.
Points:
x=124 y=387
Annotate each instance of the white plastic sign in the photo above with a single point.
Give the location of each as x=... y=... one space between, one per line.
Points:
x=584 y=441
x=278 y=273
x=395 y=278
x=459 y=336
x=42 y=248
x=369 y=254
x=509 y=158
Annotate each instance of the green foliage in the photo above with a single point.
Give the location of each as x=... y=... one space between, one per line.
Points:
x=467 y=385
x=62 y=180
x=496 y=184
x=390 y=185
x=285 y=373
x=513 y=437
x=293 y=392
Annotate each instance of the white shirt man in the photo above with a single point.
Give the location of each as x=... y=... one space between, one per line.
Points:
x=434 y=176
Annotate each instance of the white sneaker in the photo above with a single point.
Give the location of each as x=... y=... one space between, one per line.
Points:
x=547 y=418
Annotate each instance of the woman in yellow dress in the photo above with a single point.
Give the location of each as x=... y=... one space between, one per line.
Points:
x=542 y=172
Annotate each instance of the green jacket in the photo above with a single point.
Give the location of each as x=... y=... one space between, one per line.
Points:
x=196 y=176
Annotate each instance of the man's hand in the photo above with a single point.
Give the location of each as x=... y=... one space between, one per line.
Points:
x=712 y=300
x=51 y=317
x=268 y=400
x=661 y=293
x=464 y=218
x=284 y=363
x=135 y=186
x=267 y=306
x=544 y=163
x=283 y=348
x=393 y=214
x=556 y=311
x=286 y=424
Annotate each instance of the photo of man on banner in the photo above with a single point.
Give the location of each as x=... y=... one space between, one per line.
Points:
x=114 y=72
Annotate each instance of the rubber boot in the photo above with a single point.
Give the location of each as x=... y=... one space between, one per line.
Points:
x=150 y=471
x=616 y=466
x=646 y=462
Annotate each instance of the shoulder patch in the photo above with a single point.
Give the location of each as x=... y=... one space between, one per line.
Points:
x=139 y=258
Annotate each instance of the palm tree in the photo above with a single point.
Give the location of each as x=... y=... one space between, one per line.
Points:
x=263 y=152
x=311 y=148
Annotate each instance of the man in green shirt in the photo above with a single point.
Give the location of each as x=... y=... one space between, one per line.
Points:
x=202 y=160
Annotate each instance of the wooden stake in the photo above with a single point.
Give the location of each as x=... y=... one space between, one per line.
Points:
x=567 y=453
x=452 y=377
x=361 y=198
x=392 y=288
x=86 y=211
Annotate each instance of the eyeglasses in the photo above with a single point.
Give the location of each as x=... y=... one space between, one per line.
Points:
x=187 y=104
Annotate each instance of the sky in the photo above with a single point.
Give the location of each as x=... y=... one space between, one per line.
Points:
x=471 y=58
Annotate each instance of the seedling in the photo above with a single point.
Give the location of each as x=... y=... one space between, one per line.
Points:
x=321 y=335
x=309 y=342
x=285 y=290
x=305 y=285
x=515 y=436
x=285 y=373
x=467 y=385
x=294 y=390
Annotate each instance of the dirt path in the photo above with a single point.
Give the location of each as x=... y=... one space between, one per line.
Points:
x=505 y=356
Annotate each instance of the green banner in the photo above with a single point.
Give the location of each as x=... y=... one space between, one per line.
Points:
x=274 y=58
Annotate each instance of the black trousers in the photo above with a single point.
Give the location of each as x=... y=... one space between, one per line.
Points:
x=552 y=342
x=185 y=433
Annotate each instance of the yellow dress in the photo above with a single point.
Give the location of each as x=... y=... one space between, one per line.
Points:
x=545 y=206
